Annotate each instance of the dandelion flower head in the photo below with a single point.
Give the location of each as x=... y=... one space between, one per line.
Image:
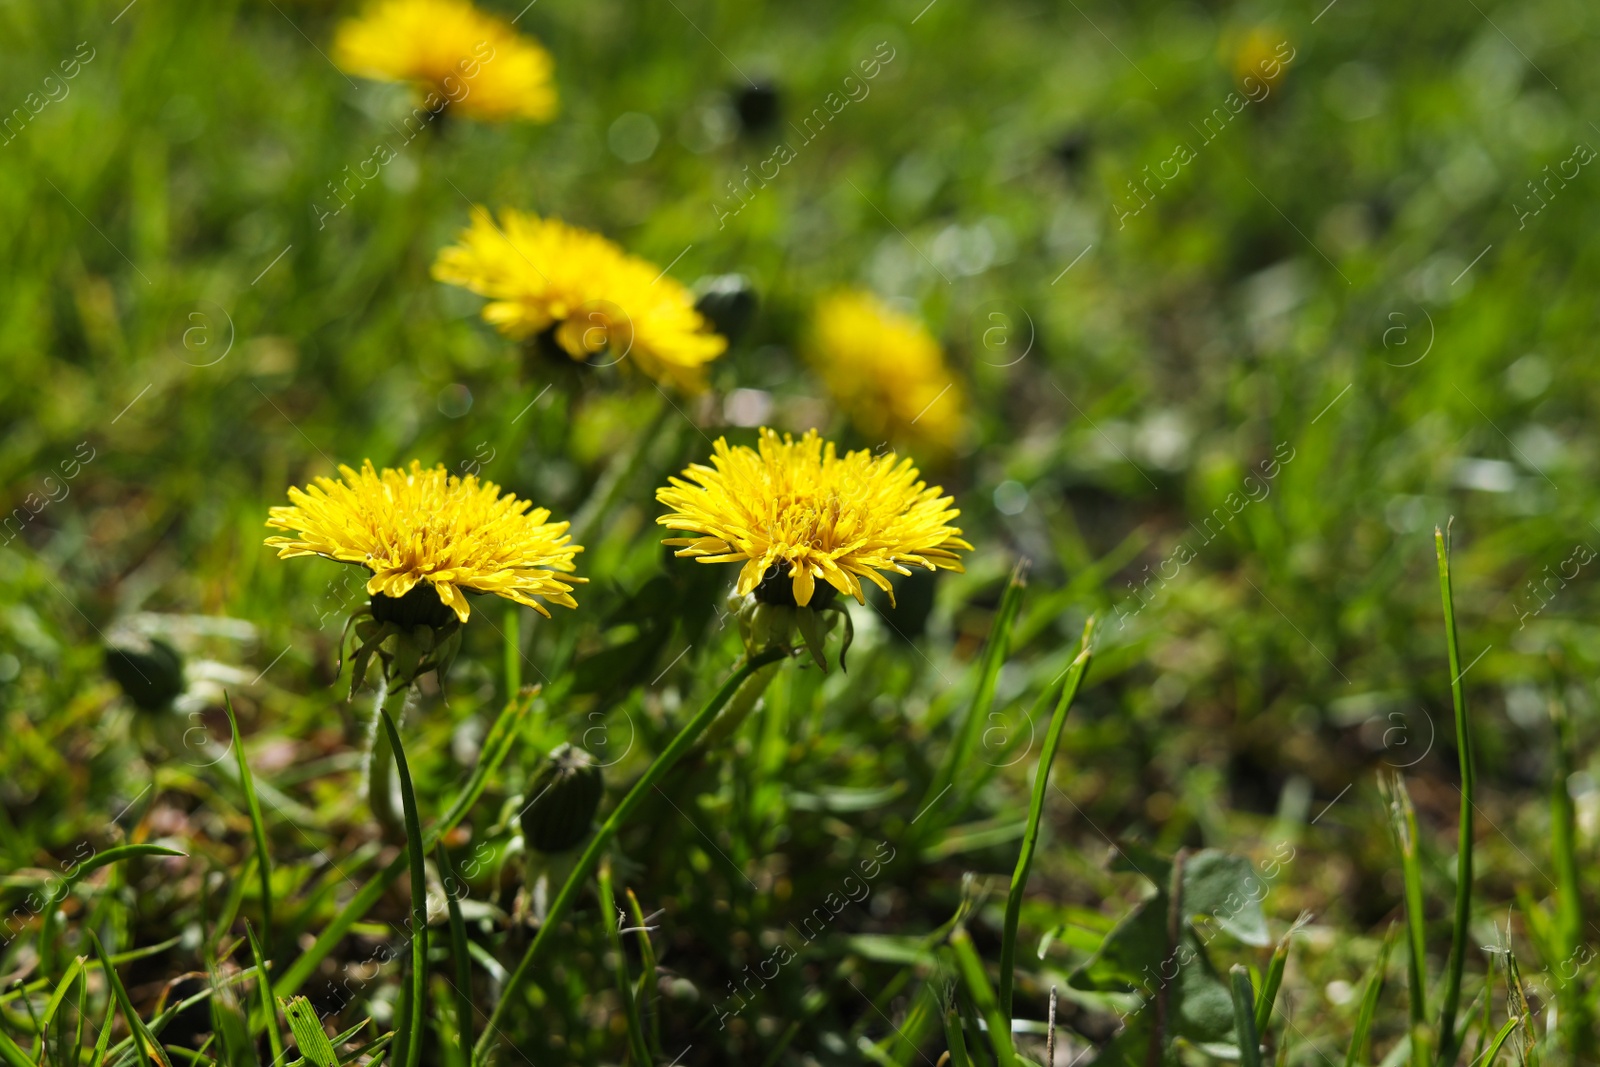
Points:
x=798 y=509
x=475 y=60
x=886 y=371
x=427 y=525
x=539 y=273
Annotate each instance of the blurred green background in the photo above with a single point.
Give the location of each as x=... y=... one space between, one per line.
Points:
x=1367 y=273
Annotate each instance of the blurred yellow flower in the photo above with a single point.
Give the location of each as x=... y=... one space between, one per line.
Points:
x=540 y=273
x=413 y=526
x=886 y=371
x=797 y=503
x=476 y=61
x=1262 y=57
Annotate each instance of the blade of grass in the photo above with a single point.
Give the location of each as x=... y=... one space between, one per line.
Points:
x=1244 y=1017
x=496 y=746
x=113 y=855
x=144 y=1042
x=647 y=977
x=1449 y=1043
x=586 y=863
x=1274 y=979
x=263 y=858
x=73 y=978
x=103 y=1041
x=229 y=1027
x=122 y=957
x=1030 y=837
x=12 y=1052
x=82 y=1013
x=1499 y=1041
x=459 y=955
x=230 y=906
x=264 y=990
x=995 y=651
x=1403 y=822
x=630 y=1008
x=982 y=994
x=419 y=899
x=63 y=987
x=1357 y=1053
x=308 y=1032
x=1574 y=1019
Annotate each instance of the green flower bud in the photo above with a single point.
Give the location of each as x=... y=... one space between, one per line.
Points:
x=564 y=796
x=729 y=301
x=149 y=670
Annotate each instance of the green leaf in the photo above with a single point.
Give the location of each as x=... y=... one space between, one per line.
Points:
x=846 y=798
x=976 y=981
x=459 y=953
x=12 y=1053
x=586 y=863
x=647 y=967
x=630 y=1007
x=62 y=988
x=144 y=1042
x=308 y=1032
x=1030 y=837
x=233 y=1033
x=1357 y=1053
x=113 y=855
x=1449 y=1042
x=814 y=636
x=1227 y=889
x=958 y=839
x=954 y=1040
x=1244 y=1019
x=1500 y=1039
x=419 y=900
x=497 y=745
x=263 y=857
x=264 y=987
x=995 y=651
x=1269 y=988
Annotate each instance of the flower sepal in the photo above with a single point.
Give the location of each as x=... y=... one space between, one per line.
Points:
x=407 y=652
x=764 y=625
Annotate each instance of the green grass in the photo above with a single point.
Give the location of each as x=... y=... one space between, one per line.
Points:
x=1223 y=429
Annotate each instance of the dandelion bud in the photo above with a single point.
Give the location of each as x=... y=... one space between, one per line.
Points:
x=564 y=796
x=729 y=301
x=149 y=670
x=758 y=107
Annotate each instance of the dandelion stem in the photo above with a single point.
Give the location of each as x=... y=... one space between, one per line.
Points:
x=739 y=706
x=602 y=839
x=616 y=477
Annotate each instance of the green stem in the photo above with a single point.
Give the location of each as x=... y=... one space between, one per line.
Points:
x=617 y=476
x=1449 y=1040
x=602 y=838
x=1030 y=839
x=739 y=706
x=380 y=761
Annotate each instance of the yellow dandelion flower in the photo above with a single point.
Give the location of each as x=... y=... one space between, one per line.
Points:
x=414 y=526
x=886 y=371
x=540 y=273
x=474 y=60
x=798 y=503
